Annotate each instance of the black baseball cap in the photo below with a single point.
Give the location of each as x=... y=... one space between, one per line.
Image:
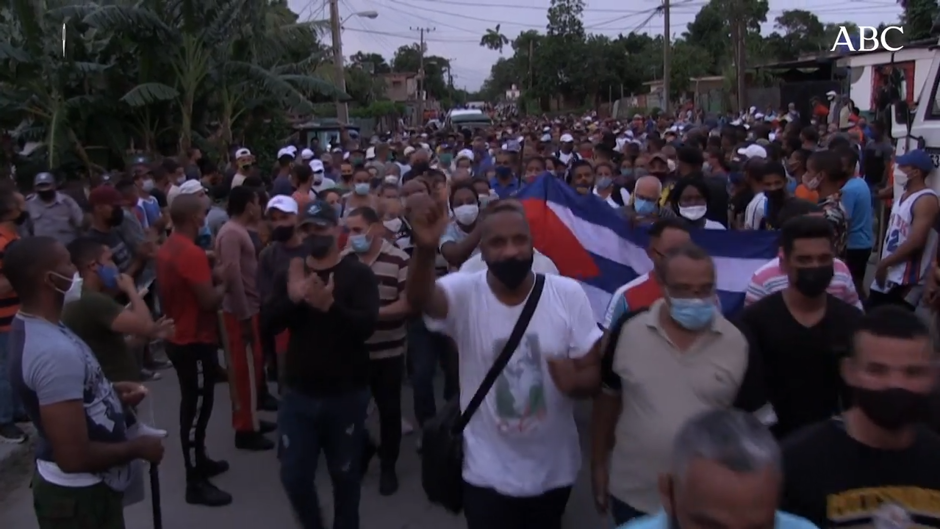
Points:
x=320 y=213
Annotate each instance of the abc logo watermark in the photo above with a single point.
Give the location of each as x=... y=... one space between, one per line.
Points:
x=869 y=39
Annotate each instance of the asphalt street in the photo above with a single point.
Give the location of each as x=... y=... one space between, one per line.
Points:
x=260 y=502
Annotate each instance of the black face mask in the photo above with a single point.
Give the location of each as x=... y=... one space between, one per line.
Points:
x=893 y=408
x=320 y=245
x=776 y=196
x=282 y=233
x=46 y=194
x=21 y=219
x=511 y=272
x=813 y=281
x=117 y=216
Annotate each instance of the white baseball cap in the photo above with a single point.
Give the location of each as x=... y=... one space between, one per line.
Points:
x=282 y=203
x=316 y=166
x=286 y=151
x=409 y=149
x=753 y=151
x=465 y=153
x=306 y=154
x=191 y=187
x=242 y=153
x=567 y=138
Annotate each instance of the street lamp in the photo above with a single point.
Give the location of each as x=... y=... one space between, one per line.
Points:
x=336 y=24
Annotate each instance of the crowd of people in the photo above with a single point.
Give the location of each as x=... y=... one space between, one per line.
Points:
x=352 y=267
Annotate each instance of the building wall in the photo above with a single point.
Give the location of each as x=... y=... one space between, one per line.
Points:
x=400 y=88
x=915 y=63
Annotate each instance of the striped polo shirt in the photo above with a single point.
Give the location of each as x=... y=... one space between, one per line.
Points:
x=9 y=303
x=391 y=270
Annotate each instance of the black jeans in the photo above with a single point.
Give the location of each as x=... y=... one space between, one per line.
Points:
x=623 y=512
x=426 y=350
x=334 y=425
x=385 y=383
x=197 y=367
x=895 y=296
x=485 y=508
x=857 y=261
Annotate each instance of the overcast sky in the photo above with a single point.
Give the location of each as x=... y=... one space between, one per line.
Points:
x=457 y=26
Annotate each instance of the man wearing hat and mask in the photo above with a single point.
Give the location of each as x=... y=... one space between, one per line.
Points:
x=51 y=213
x=243 y=160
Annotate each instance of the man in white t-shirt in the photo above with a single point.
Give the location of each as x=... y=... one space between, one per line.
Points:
x=243 y=161
x=522 y=453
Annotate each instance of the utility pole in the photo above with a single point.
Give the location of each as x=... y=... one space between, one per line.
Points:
x=738 y=35
x=531 y=51
x=421 y=83
x=666 y=53
x=342 y=111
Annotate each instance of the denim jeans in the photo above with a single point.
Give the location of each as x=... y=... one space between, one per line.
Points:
x=10 y=405
x=336 y=426
x=426 y=350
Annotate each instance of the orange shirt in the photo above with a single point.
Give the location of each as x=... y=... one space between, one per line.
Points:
x=804 y=193
x=10 y=303
x=180 y=266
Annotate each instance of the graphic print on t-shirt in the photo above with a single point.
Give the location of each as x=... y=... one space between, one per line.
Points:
x=520 y=388
x=884 y=508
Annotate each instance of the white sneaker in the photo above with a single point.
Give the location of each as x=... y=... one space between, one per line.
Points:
x=406 y=427
x=142 y=430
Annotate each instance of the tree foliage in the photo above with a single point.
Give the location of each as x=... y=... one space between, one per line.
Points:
x=567 y=62
x=153 y=75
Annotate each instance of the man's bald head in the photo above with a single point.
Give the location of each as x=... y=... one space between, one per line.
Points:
x=185 y=209
x=648 y=187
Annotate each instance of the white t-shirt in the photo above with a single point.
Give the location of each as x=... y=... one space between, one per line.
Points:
x=523 y=440
x=540 y=264
x=325 y=183
x=754 y=212
x=713 y=225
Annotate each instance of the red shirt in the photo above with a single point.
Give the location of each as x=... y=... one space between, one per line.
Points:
x=10 y=303
x=180 y=266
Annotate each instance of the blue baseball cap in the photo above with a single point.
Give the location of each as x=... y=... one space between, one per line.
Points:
x=918 y=159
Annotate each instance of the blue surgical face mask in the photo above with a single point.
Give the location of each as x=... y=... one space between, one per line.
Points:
x=361 y=189
x=604 y=182
x=626 y=171
x=204 y=237
x=108 y=275
x=360 y=243
x=693 y=314
x=643 y=206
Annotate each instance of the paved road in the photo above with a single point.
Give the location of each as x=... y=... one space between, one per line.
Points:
x=253 y=481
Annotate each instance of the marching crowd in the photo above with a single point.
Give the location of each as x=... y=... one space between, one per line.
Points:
x=351 y=267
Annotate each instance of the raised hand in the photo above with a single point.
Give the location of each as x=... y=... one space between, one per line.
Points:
x=428 y=220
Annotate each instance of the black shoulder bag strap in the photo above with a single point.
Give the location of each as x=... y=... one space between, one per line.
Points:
x=514 y=338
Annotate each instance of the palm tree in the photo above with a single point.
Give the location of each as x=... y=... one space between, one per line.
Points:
x=494 y=40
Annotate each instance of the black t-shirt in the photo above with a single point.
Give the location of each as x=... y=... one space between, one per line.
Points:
x=327 y=354
x=800 y=364
x=833 y=480
x=738 y=203
x=160 y=196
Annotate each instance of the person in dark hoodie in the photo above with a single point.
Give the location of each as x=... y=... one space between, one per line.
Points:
x=330 y=306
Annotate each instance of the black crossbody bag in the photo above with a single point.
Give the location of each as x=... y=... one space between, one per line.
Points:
x=442 y=440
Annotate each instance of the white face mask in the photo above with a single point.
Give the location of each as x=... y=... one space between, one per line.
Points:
x=466 y=214
x=693 y=213
x=391 y=179
x=900 y=178
x=392 y=225
x=148 y=185
x=74 y=293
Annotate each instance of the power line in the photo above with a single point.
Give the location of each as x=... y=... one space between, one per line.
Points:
x=532 y=8
x=411 y=37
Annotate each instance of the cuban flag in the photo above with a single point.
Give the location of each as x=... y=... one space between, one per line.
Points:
x=590 y=242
